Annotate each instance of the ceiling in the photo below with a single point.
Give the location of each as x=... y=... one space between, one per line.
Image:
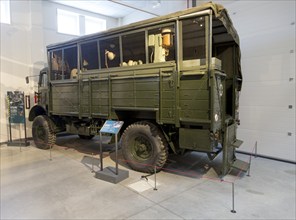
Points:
x=113 y=8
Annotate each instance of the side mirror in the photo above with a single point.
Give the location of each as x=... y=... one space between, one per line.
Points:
x=27 y=79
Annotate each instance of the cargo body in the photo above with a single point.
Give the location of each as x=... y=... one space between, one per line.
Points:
x=173 y=80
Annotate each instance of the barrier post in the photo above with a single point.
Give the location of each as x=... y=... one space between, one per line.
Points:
x=50 y=153
x=155 y=178
x=116 y=155
x=101 y=152
x=233 y=211
x=92 y=162
x=21 y=137
x=249 y=170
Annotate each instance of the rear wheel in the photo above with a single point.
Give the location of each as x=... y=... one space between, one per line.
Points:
x=86 y=137
x=43 y=132
x=144 y=147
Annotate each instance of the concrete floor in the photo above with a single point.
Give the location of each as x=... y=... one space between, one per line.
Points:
x=35 y=187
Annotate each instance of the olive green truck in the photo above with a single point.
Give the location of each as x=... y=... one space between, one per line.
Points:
x=174 y=80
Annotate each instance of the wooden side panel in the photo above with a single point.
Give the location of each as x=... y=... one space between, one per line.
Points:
x=85 y=98
x=168 y=99
x=194 y=98
x=146 y=89
x=100 y=97
x=65 y=98
x=135 y=93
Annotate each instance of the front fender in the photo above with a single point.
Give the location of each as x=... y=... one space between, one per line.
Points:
x=35 y=111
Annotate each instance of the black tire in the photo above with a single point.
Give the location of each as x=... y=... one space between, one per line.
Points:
x=86 y=137
x=144 y=147
x=43 y=132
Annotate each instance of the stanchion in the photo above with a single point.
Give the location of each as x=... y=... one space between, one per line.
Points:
x=155 y=178
x=20 y=138
x=256 y=149
x=145 y=177
x=101 y=152
x=92 y=162
x=249 y=170
x=250 y=159
x=233 y=211
x=116 y=155
x=50 y=153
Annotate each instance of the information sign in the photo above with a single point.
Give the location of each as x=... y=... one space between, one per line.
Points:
x=16 y=107
x=111 y=127
x=16 y=115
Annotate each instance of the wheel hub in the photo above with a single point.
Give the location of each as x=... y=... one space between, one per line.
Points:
x=40 y=132
x=142 y=149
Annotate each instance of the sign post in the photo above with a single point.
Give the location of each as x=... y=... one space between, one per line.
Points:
x=109 y=173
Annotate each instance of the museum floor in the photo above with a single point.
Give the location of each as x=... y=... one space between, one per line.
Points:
x=35 y=187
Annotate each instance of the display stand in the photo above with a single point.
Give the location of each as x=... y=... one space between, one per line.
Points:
x=111 y=174
x=16 y=115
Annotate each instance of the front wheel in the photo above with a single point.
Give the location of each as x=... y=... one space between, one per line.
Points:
x=43 y=132
x=144 y=147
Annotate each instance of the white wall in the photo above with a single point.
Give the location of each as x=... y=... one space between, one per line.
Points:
x=23 y=50
x=267 y=37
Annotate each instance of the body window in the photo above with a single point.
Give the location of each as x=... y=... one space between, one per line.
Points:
x=194 y=43
x=42 y=79
x=56 y=65
x=110 y=52
x=89 y=55
x=161 y=46
x=70 y=63
x=63 y=64
x=133 y=49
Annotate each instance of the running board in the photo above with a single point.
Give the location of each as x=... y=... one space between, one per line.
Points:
x=241 y=165
x=237 y=143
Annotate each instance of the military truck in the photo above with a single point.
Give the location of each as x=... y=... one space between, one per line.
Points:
x=174 y=80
